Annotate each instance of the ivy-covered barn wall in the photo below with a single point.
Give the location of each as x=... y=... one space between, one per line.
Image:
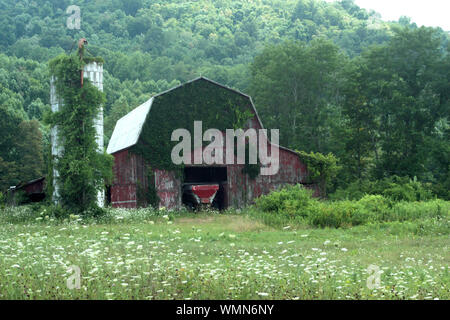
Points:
x=202 y=100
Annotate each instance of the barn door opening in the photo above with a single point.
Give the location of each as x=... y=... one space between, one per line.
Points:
x=197 y=176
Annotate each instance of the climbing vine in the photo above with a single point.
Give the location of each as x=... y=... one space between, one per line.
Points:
x=82 y=169
x=204 y=101
x=147 y=195
x=322 y=168
x=252 y=170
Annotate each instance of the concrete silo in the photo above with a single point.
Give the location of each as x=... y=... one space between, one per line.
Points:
x=94 y=72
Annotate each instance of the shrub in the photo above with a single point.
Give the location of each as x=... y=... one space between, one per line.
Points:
x=336 y=215
x=354 y=191
x=410 y=191
x=376 y=204
x=292 y=200
x=294 y=204
x=345 y=213
x=395 y=188
x=322 y=168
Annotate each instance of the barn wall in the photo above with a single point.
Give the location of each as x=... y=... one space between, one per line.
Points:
x=130 y=175
x=242 y=190
x=36 y=187
x=290 y=172
x=124 y=188
x=168 y=188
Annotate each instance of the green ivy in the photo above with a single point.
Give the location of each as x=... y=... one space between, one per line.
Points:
x=82 y=169
x=201 y=100
x=148 y=196
x=322 y=168
x=252 y=170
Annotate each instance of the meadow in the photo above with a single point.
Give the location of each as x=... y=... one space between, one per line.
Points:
x=157 y=254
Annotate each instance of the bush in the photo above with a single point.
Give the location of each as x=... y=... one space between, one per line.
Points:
x=292 y=200
x=294 y=204
x=337 y=215
x=410 y=191
x=376 y=204
x=322 y=168
x=394 y=188
x=348 y=213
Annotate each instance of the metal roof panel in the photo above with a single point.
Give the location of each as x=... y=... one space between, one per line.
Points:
x=128 y=128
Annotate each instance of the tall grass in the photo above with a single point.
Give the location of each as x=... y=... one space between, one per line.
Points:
x=294 y=204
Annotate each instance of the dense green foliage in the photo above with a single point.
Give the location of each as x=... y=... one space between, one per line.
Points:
x=201 y=100
x=398 y=189
x=295 y=204
x=396 y=106
x=21 y=157
x=322 y=168
x=82 y=170
x=294 y=86
x=383 y=113
x=332 y=77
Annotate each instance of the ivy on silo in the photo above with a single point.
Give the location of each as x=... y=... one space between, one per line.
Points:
x=82 y=169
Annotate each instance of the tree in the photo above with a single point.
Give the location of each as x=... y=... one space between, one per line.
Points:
x=29 y=150
x=9 y=121
x=118 y=110
x=36 y=109
x=131 y=6
x=293 y=85
x=396 y=97
x=360 y=126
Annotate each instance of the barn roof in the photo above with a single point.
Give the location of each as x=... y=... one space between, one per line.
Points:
x=128 y=128
x=25 y=184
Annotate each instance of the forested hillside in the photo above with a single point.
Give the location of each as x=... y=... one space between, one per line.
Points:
x=310 y=66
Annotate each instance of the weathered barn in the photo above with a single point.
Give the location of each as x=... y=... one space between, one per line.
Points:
x=33 y=191
x=141 y=145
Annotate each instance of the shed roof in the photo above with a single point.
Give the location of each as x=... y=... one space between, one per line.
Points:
x=128 y=128
x=25 y=184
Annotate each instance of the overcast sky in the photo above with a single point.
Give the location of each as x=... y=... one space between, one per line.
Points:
x=431 y=13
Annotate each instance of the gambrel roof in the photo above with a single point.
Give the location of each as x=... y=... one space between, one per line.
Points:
x=128 y=128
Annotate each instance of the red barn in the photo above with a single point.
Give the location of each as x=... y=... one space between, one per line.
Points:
x=33 y=190
x=131 y=168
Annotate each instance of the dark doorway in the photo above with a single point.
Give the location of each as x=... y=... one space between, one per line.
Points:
x=206 y=175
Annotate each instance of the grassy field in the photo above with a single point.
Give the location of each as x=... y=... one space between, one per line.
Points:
x=220 y=256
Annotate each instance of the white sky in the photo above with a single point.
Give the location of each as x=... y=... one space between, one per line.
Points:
x=431 y=13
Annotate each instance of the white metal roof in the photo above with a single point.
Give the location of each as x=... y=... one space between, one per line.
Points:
x=128 y=128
